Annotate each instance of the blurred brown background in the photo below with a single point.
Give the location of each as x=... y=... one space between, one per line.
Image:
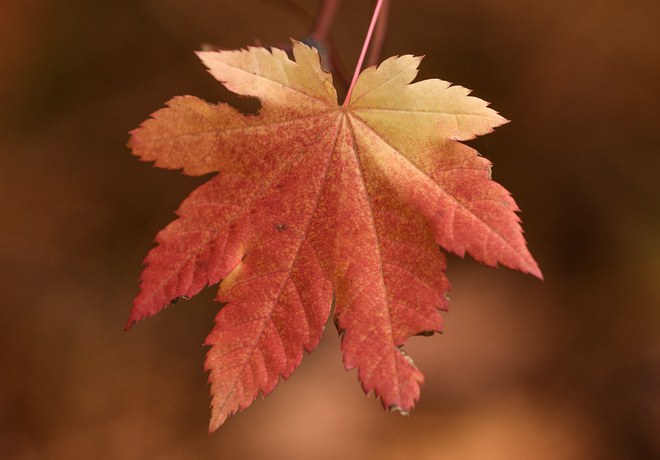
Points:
x=564 y=369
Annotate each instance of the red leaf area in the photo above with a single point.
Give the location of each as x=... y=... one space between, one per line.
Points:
x=315 y=201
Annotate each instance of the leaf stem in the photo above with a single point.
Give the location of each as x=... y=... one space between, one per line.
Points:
x=365 y=46
x=378 y=40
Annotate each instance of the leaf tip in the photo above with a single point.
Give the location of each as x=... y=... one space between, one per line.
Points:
x=215 y=422
x=535 y=271
x=129 y=324
x=296 y=43
x=500 y=120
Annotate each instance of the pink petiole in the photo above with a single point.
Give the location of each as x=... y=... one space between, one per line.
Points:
x=365 y=47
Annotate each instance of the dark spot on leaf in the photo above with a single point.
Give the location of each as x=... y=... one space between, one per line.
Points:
x=426 y=333
x=405 y=355
x=395 y=408
x=340 y=331
x=280 y=227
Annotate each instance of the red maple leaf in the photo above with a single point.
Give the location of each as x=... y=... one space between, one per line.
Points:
x=313 y=201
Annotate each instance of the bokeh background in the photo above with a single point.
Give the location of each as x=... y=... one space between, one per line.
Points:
x=568 y=368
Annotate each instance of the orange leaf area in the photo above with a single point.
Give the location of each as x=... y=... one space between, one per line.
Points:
x=315 y=202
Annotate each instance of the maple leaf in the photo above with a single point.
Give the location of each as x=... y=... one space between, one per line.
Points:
x=315 y=200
